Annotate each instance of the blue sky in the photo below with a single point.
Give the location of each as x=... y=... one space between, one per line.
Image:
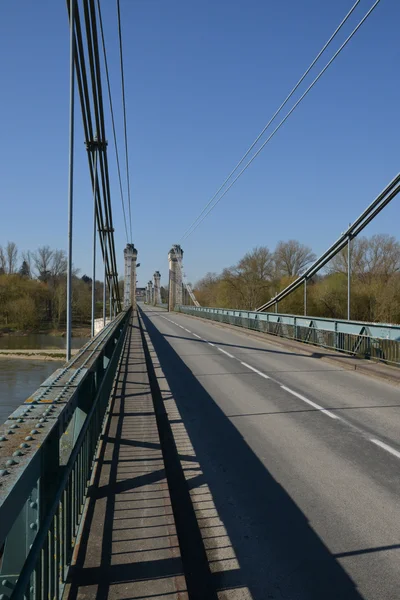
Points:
x=202 y=79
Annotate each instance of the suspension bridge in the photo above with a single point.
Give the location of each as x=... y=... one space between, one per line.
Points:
x=201 y=452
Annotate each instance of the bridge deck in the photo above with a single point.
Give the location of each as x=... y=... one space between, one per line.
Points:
x=233 y=468
x=128 y=546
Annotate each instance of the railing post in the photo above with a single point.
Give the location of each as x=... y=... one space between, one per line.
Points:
x=71 y=173
x=105 y=279
x=348 y=278
x=94 y=239
x=111 y=298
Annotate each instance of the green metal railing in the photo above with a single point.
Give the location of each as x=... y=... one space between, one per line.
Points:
x=47 y=451
x=376 y=341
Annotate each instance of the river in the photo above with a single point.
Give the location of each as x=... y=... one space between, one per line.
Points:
x=38 y=341
x=19 y=378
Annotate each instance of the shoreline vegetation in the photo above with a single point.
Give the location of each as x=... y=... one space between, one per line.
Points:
x=261 y=273
x=33 y=288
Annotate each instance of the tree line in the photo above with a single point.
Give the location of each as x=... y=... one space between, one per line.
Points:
x=261 y=273
x=33 y=290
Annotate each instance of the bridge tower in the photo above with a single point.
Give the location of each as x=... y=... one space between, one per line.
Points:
x=175 y=276
x=150 y=292
x=130 y=254
x=157 y=288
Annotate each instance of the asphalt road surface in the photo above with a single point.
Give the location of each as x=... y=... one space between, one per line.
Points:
x=301 y=458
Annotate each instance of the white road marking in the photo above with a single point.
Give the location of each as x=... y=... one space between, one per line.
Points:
x=385 y=447
x=382 y=445
x=255 y=370
x=317 y=406
x=225 y=352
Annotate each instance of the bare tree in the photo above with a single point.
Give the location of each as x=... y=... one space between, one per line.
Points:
x=376 y=256
x=207 y=287
x=383 y=255
x=292 y=258
x=42 y=260
x=358 y=251
x=11 y=257
x=250 y=279
x=58 y=263
x=258 y=263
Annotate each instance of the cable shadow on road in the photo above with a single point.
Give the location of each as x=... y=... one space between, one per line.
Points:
x=257 y=539
x=307 y=410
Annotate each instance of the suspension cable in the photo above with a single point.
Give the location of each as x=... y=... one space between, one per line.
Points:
x=112 y=118
x=197 y=222
x=124 y=112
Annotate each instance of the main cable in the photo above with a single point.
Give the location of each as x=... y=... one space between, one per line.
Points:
x=93 y=107
x=283 y=120
x=112 y=118
x=276 y=112
x=124 y=111
x=94 y=60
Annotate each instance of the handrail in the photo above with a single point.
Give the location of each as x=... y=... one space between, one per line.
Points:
x=380 y=341
x=43 y=488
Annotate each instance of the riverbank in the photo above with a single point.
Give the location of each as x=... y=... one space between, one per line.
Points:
x=36 y=354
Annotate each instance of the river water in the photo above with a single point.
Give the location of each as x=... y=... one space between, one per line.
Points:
x=38 y=341
x=19 y=378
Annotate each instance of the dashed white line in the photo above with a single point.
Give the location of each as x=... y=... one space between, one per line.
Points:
x=317 y=406
x=255 y=370
x=382 y=445
x=385 y=447
x=225 y=352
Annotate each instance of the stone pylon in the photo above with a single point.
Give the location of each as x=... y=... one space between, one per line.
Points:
x=150 y=292
x=157 y=288
x=130 y=255
x=175 y=276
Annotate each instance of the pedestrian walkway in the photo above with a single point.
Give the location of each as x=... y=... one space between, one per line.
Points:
x=128 y=545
